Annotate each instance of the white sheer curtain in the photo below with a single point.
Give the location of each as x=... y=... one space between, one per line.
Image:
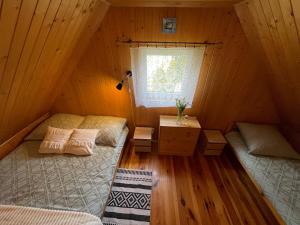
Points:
x=160 y=75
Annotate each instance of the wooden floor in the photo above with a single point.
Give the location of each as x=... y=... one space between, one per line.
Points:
x=196 y=190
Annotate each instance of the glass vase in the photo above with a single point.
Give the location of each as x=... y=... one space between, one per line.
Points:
x=179 y=115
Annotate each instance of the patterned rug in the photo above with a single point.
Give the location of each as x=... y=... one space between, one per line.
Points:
x=129 y=200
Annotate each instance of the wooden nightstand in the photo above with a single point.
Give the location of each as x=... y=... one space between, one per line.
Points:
x=214 y=142
x=142 y=139
x=178 y=138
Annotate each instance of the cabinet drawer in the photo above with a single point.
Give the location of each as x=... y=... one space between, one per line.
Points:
x=176 y=148
x=212 y=152
x=215 y=146
x=172 y=133
x=142 y=148
x=142 y=142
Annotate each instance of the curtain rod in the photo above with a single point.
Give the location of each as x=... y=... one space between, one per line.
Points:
x=166 y=43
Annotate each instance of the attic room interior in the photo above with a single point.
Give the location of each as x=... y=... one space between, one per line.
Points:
x=140 y=112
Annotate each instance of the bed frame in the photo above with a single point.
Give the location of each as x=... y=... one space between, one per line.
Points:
x=269 y=212
x=123 y=151
x=15 y=140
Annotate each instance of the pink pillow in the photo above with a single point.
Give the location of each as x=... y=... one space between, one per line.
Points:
x=55 y=140
x=81 y=142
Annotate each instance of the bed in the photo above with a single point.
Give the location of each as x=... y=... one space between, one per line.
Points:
x=278 y=178
x=16 y=215
x=60 y=182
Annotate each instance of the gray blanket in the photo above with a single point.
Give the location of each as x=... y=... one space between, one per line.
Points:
x=67 y=182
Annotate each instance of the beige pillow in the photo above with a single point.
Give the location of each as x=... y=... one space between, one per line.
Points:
x=60 y=120
x=266 y=140
x=55 y=140
x=81 y=142
x=110 y=128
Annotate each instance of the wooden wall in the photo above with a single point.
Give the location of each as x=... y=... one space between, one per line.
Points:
x=173 y=3
x=272 y=27
x=37 y=42
x=232 y=85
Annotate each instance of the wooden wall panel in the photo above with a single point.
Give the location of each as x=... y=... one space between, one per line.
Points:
x=10 y=144
x=272 y=27
x=231 y=86
x=172 y=3
x=38 y=40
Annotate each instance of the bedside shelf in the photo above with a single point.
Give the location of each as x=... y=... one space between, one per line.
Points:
x=143 y=139
x=214 y=142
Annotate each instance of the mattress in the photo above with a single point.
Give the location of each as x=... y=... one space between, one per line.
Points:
x=278 y=178
x=61 y=182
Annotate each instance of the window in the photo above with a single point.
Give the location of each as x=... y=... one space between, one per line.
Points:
x=160 y=75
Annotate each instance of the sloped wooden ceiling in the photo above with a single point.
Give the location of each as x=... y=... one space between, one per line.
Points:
x=40 y=42
x=273 y=30
x=231 y=87
x=172 y=3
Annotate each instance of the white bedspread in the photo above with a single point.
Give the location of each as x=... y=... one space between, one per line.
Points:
x=29 y=216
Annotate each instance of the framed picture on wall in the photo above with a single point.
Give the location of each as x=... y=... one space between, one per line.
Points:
x=169 y=25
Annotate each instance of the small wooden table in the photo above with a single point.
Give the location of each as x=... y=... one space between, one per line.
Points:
x=178 y=138
x=214 y=142
x=142 y=139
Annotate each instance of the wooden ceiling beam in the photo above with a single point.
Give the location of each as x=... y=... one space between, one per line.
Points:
x=172 y=3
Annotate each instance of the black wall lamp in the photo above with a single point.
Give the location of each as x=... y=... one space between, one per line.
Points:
x=120 y=84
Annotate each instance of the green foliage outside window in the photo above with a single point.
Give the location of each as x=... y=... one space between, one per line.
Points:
x=166 y=76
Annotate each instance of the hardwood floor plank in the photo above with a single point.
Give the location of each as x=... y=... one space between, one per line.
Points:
x=237 y=195
x=200 y=186
x=165 y=192
x=196 y=190
x=188 y=208
x=219 y=213
x=241 y=191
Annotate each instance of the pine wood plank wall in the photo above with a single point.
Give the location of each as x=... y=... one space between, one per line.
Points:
x=172 y=3
x=231 y=85
x=272 y=28
x=37 y=39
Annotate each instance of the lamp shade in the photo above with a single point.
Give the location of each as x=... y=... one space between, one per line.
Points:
x=120 y=85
